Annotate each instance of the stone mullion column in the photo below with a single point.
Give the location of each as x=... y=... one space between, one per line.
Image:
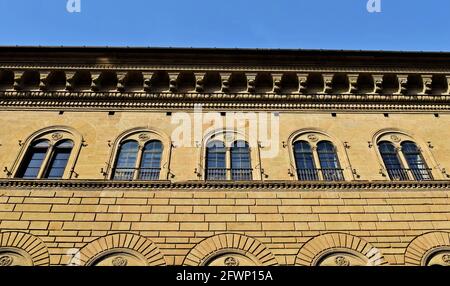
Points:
x=228 y=163
x=45 y=162
x=404 y=162
x=137 y=165
x=317 y=162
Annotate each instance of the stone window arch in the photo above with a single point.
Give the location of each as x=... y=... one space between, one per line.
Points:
x=120 y=249
x=432 y=248
x=228 y=155
x=402 y=157
x=22 y=249
x=141 y=154
x=50 y=153
x=230 y=249
x=315 y=156
x=339 y=249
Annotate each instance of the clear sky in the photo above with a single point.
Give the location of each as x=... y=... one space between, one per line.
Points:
x=307 y=24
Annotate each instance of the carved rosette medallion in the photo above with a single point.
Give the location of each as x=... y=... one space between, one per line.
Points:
x=119 y=261
x=313 y=138
x=231 y=261
x=144 y=136
x=57 y=136
x=6 y=260
x=229 y=137
x=341 y=261
x=395 y=138
x=446 y=259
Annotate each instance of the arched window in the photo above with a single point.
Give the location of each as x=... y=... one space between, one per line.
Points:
x=415 y=161
x=43 y=161
x=329 y=162
x=140 y=154
x=126 y=161
x=216 y=168
x=304 y=160
x=33 y=160
x=49 y=153
x=392 y=161
x=241 y=169
x=59 y=159
x=150 y=167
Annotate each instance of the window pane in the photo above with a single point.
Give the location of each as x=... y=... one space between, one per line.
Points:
x=304 y=161
x=126 y=161
x=33 y=159
x=240 y=161
x=58 y=162
x=215 y=161
x=151 y=161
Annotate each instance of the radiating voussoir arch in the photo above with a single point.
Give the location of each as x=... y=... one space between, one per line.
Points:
x=230 y=249
x=120 y=249
x=342 y=248
x=424 y=247
x=22 y=249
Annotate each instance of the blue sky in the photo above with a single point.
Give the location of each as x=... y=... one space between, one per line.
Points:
x=307 y=24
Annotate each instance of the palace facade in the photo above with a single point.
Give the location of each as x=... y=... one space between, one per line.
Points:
x=125 y=156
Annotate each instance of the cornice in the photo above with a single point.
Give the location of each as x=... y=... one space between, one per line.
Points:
x=213 y=186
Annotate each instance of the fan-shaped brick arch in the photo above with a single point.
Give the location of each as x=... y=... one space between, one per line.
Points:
x=129 y=241
x=319 y=245
x=418 y=249
x=28 y=243
x=229 y=242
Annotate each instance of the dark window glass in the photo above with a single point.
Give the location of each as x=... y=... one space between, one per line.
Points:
x=415 y=161
x=59 y=159
x=241 y=169
x=151 y=161
x=304 y=160
x=215 y=161
x=392 y=162
x=329 y=162
x=126 y=161
x=33 y=159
